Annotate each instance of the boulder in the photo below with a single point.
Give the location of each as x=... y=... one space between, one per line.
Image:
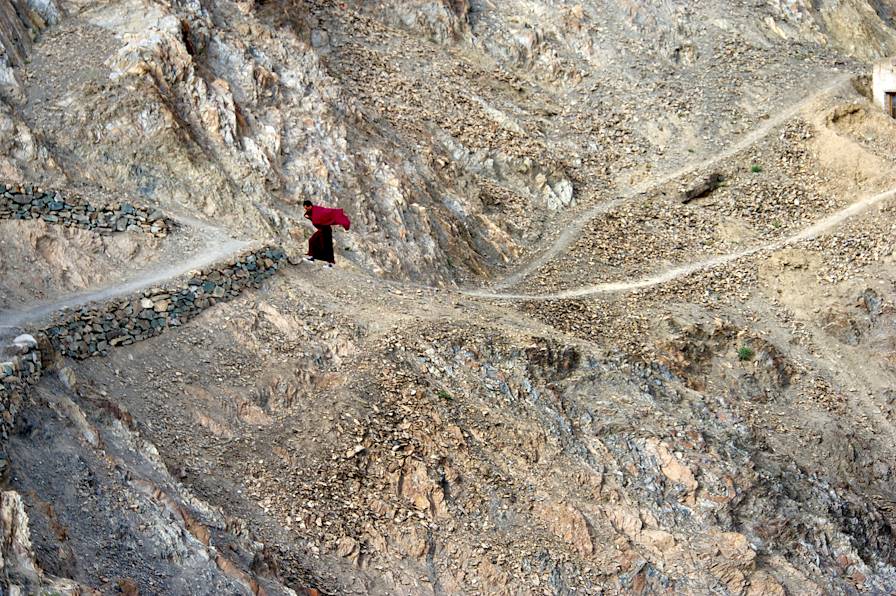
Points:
x=25 y=341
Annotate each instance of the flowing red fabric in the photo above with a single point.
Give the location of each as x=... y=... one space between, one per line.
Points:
x=324 y=216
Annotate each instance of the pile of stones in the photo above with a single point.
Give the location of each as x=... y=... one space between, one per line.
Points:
x=20 y=366
x=26 y=202
x=93 y=330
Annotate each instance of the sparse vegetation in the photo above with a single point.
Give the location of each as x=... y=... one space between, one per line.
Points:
x=745 y=353
x=444 y=395
x=756 y=168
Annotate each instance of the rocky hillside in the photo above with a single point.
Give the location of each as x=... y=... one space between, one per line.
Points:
x=537 y=369
x=440 y=126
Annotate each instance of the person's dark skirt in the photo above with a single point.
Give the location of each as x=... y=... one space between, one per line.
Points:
x=320 y=245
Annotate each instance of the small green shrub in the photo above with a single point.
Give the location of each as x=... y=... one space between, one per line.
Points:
x=756 y=168
x=745 y=353
x=444 y=395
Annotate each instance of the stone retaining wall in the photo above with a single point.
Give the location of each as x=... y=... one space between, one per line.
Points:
x=94 y=329
x=18 y=202
x=23 y=368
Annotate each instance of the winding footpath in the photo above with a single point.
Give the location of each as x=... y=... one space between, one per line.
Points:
x=218 y=247
x=816 y=229
x=574 y=229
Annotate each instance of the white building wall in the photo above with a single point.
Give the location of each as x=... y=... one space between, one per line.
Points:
x=884 y=80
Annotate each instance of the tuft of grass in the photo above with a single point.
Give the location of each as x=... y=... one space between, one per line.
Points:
x=756 y=168
x=444 y=395
x=745 y=353
x=776 y=223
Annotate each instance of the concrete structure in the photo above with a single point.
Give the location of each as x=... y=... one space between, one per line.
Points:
x=884 y=85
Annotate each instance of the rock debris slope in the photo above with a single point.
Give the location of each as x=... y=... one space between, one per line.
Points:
x=556 y=427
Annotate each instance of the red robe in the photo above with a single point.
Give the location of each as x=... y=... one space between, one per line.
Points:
x=324 y=216
x=320 y=245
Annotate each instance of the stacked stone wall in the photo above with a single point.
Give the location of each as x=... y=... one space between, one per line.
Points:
x=20 y=366
x=95 y=329
x=26 y=202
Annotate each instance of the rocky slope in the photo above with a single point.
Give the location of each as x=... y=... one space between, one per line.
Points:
x=371 y=429
x=491 y=112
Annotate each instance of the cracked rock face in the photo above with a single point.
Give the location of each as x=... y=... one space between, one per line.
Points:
x=368 y=429
x=443 y=21
x=20 y=571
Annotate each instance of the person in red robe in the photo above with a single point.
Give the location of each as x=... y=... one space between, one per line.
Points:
x=320 y=245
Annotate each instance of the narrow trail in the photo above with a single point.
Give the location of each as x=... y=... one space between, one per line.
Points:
x=218 y=248
x=215 y=249
x=574 y=229
x=816 y=229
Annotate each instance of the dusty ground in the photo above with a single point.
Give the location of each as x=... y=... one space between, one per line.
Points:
x=794 y=177
x=726 y=428
x=456 y=441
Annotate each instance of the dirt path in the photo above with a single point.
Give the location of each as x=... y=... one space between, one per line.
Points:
x=574 y=229
x=214 y=250
x=219 y=248
x=808 y=233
